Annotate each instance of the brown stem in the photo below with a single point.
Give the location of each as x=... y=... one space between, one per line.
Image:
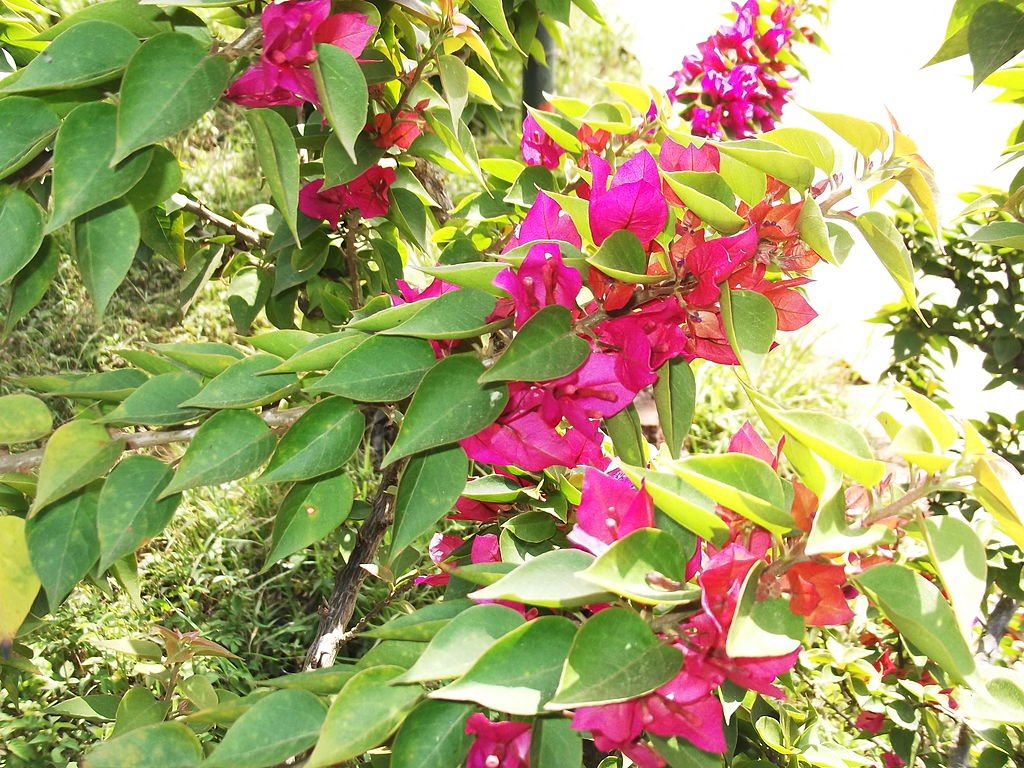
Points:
x=351 y=229
x=897 y=507
x=417 y=74
x=23 y=462
x=331 y=634
x=241 y=45
x=242 y=232
x=835 y=197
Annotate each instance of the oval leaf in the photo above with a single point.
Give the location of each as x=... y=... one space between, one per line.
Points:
x=169 y=745
x=380 y=369
x=321 y=440
x=26 y=126
x=21 y=222
x=343 y=93
x=545 y=348
x=76 y=454
x=240 y=385
x=308 y=513
x=62 y=543
x=430 y=485
x=18 y=581
x=23 y=418
x=550 y=580
x=105 y=243
x=272 y=730
x=129 y=512
x=434 y=734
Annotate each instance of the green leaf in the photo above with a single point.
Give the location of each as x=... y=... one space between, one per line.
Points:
x=23 y=418
x=711 y=210
x=999 y=699
x=30 y=284
x=809 y=144
x=339 y=168
x=627 y=435
x=325 y=682
x=83 y=178
x=109 y=385
x=248 y=294
x=21 y=221
x=99 y=706
x=454 y=315
x=319 y=353
x=422 y=624
x=887 y=243
x=614 y=657
x=129 y=512
x=364 y=714
x=814 y=230
x=748 y=183
x=137 y=19
x=156 y=402
x=545 y=348
x=493 y=488
x=321 y=440
x=169 y=745
x=631 y=565
x=623 y=257
x=26 y=126
x=675 y=396
x=681 y=502
x=1009 y=234
x=1000 y=489
x=494 y=13
x=62 y=543
x=430 y=485
x=434 y=734
x=18 y=581
x=762 y=627
x=472 y=274
x=455 y=82
x=528 y=184
x=742 y=483
x=772 y=159
x=831 y=532
x=960 y=559
x=554 y=744
x=308 y=513
x=241 y=386
x=519 y=673
x=170 y=83
x=161 y=180
x=449 y=405
x=380 y=369
x=550 y=580
x=995 y=34
x=137 y=709
x=919 y=612
x=76 y=454
x=750 y=322
x=105 y=243
x=229 y=445
x=459 y=643
x=679 y=753
x=275 y=728
x=862 y=135
x=389 y=317
x=343 y=93
x=279 y=159
x=87 y=53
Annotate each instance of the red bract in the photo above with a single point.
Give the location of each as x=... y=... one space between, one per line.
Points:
x=713 y=261
x=632 y=201
x=610 y=509
x=817 y=593
x=747 y=441
x=388 y=132
x=541 y=280
x=871 y=722
x=368 y=192
x=892 y=760
x=504 y=744
x=290 y=32
x=537 y=147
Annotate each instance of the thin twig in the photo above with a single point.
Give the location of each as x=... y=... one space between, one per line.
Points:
x=241 y=45
x=895 y=508
x=242 y=232
x=23 y=462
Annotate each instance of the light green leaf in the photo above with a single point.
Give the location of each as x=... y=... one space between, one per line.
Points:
x=319 y=354
x=711 y=210
x=474 y=274
x=809 y=144
x=241 y=386
x=750 y=322
x=62 y=543
x=1008 y=234
x=960 y=559
x=433 y=734
x=364 y=714
x=105 y=243
x=321 y=440
x=169 y=745
x=545 y=348
x=87 y=53
x=814 y=230
x=681 y=502
x=614 y=657
x=137 y=709
x=324 y=682
x=920 y=613
x=26 y=126
x=454 y=315
x=279 y=159
x=379 y=369
x=831 y=532
x=129 y=512
x=460 y=642
x=83 y=178
x=309 y=512
x=550 y=580
x=631 y=565
x=741 y=483
x=555 y=744
x=275 y=728
x=494 y=13
x=771 y=159
x=862 y=135
x=23 y=418
x=18 y=581
x=422 y=624
x=455 y=82
x=887 y=243
x=343 y=93
x=762 y=627
x=429 y=487
x=520 y=672
x=229 y=445
x=21 y=222
x=448 y=405
x=76 y=454
x=170 y=83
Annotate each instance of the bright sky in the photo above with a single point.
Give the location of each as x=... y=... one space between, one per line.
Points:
x=877 y=48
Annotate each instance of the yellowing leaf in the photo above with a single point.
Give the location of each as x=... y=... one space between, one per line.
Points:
x=18 y=582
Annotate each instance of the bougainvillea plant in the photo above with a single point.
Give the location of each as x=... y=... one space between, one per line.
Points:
x=596 y=598
x=741 y=77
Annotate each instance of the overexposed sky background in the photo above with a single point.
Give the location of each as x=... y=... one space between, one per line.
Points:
x=876 y=52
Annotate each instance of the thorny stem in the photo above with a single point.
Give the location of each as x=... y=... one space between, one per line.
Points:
x=351 y=230
x=242 y=232
x=896 y=508
x=23 y=462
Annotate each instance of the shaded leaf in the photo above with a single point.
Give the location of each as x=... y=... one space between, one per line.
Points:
x=308 y=513
x=321 y=440
x=129 y=513
x=62 y=543
x=429 y=487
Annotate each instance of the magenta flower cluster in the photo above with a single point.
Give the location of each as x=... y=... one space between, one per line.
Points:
x=737 y=84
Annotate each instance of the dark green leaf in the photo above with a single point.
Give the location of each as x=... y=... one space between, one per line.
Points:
x=995 y=34
x=30 y=284
x=622 y=256
x=129 y=513
x=638 y=566
x=675 y=395
x=275 y=728
x=169 y=745
x=162 y=179
x=279 y=160
x=62 y=543
x=21 y=222
x=434 y=734
x=454 y=315
x=555 y=744
x=321 y=440
x=26 y=126
x=230 y=445
x=428 y=489
x=105 y=243
x=170 y=83
x=627 y=435
x=380 y=369
x=343 y=93
x=241 y=386
x=156 y=402
x=448 y=405
x=206 y=357
x=423 y=624
x=545 y=348
x=308 y=513
x=339 y=168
